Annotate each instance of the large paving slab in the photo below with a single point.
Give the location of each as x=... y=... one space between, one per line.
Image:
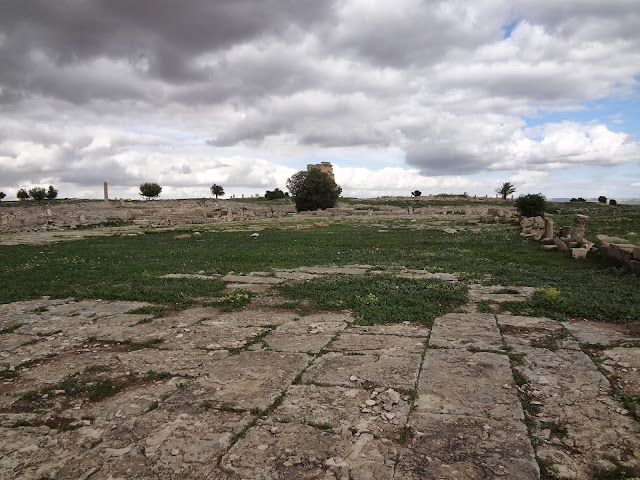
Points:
x=470 y=330
x=252 y=379
x=606 y=334
x=578 y=423
x=304 y=452
x=250 y=318
x=623 y=365
x=466 y=448
x=391 y=345
x=337 y=369
x=535 y=332
x=404 y=329
x=311 y=343
x=211 y=337
x=316 y=323
x=458 y=382
x=380 y=412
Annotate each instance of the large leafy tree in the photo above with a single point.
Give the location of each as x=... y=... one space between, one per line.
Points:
x=2 y=195
x=506 y=189
x=22 y=194
x=150 y=190
x=38 y=193
x=217 y=190
x=313 y=190
x=52 y=193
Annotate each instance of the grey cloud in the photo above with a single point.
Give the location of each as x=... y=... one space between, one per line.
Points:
x=443 y=159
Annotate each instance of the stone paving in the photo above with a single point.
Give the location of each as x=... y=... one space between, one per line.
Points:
x=91 y=391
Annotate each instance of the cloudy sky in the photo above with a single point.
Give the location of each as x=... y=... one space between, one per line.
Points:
x=445 y=96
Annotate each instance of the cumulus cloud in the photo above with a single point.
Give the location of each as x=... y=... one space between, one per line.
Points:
x=241 y=91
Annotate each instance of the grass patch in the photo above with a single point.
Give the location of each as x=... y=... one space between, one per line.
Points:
x=381 y=298
x=233 y=300
x=484 y=306
x=156 y=311
x=11 y=328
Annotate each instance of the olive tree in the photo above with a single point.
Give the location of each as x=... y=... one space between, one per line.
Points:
x=150 y=190
x=313 y=190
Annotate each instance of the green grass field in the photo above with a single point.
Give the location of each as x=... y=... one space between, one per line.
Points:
x=129 y=267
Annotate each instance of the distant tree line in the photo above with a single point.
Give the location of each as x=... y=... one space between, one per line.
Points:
x=36 y=193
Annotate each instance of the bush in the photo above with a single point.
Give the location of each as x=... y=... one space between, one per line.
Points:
x=313 y=189
x=150 y=190
x=531 y=205
x=613 y=202
x=2 y=195
x=274 y=195
x=52 y=193
x=602 y=199
x=38 y=193
x=416 y=193
x=22 y=194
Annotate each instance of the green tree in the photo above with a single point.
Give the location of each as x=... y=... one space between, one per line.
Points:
x=2 y=195
x=532 y=205
x=22 y=194
x=274 y=195
x=38 y=193
x=602 y=199
x=150 y=190
x=506 y=189
x=613 y=202
x=52 y=193
x=416 y=193
x=313 y=189
x=217 y=190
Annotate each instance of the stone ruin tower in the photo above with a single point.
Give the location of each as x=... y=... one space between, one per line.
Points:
x=324 y=167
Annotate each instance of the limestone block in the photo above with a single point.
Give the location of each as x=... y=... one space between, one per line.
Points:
x=565 y=231
x=562 y=246
x=548 y=228
x=579 y=253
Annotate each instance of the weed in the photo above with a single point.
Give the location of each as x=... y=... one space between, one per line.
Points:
x=618 y=472
x=11 y=328
x=21 y=422
x=257 y=411
x=233 y=300
x=226 y=407
x=30 y=342
x=153 y=406
x=546 y=470
x=206 y=405
x=156 y=311
x=298 y=379
x=484 y=306
x=557 y=430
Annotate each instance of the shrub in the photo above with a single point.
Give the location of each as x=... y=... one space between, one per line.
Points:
x=602 y=199
x=38 y=193
x=150 y=190
x=313 y=189
x=22 y=194
x=531 y=205
x=274 y=195
x=613 y=202
x=416 y=193
x=51 y=193
x=2 y=195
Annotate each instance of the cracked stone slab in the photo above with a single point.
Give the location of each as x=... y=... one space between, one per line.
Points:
x=447 y=277
x=211 y=337
x=624 y=366
x=295 y=275
x=252 y=379
x=347 y=270
x=466 y=448
x=248 y=279
x=401 y=329
x=491 y=293
x=470 y=330
x=337 y=369
x=536 y=332
x=183 y=443
x=304 y=452
x=39 y=452
x=316 y=323
x=380 y=412
x=249 y=318
x=599 y=333
x=377 y=344
x=300 y=342
x=191 y=363
x=571 y=394
x=458 y=382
